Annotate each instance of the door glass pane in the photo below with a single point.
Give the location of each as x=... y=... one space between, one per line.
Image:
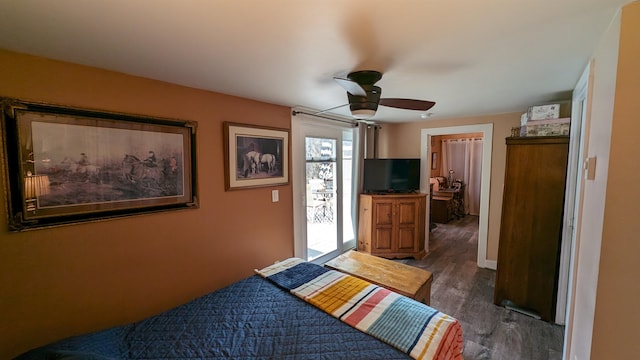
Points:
x=322 y=236
x=348 y=229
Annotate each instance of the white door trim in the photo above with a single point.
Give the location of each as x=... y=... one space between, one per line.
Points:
x=570 y=237
x=301 y=126
x=487 y=149
x=572 y=189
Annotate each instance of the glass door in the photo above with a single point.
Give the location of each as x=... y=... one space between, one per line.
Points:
x=324 y=223
x=320 y=198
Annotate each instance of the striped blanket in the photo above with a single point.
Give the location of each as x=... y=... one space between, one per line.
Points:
x=412 y=327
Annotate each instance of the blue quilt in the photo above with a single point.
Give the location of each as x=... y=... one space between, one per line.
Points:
x=250 y=319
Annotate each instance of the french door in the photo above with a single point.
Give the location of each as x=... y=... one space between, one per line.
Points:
x=323 y=183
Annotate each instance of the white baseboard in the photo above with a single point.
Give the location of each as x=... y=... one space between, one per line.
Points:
x=491 y=264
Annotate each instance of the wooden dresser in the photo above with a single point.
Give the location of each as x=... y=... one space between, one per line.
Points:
x=392 y=225
x=531 y=226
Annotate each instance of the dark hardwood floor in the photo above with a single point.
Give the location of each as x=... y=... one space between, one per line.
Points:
x=464 y=291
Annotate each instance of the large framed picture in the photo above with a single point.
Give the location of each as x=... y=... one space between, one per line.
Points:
x=255 y=156
x=66 y=165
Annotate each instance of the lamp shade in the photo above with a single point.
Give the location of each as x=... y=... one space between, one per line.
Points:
x=35 y=186
x=363 y=113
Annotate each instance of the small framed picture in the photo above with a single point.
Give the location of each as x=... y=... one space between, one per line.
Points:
x=255 y=156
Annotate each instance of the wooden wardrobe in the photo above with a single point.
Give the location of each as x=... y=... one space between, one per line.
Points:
x=531 y=226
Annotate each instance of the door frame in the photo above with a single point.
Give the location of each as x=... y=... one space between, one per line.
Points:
x=487 y=149
x=299 y=129
x=578 y=143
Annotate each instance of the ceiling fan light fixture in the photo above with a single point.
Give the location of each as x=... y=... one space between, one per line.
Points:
x=362 y=114
x=364 y=96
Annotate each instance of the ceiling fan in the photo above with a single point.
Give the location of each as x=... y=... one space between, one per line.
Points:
x=364 y=96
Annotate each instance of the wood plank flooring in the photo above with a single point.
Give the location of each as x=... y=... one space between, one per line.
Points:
x=464 y=291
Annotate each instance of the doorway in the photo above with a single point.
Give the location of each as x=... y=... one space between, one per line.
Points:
x=456 y=163
x=323 y=220
x=426 y=160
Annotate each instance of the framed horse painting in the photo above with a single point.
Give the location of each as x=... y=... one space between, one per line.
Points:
x=66 y=165
x=255 y=156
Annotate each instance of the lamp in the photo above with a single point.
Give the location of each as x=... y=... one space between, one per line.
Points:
x=35 y=185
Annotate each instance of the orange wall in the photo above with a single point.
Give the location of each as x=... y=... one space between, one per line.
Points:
x=615 y=334
x=403 y=140
x=73 y=279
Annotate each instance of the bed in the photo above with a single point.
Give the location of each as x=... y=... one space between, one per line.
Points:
x=259 y=317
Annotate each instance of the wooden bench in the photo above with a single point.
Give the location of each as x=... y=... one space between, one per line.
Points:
x=407 y=280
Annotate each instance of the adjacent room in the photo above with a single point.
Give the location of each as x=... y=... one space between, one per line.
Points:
x=339 y=179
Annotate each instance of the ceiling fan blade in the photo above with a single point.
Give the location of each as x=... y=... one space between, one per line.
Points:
x=351 y=86
x=409 y=104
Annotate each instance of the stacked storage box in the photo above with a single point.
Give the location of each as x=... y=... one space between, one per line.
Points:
x=544 y=120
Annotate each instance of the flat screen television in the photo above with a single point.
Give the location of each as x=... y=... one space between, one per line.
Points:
x=391 y=175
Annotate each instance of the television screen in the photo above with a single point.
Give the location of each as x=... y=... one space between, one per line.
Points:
x=391 y=175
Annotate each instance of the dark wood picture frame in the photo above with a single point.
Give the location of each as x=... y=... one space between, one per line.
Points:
x=66 y=165
x=255 y=156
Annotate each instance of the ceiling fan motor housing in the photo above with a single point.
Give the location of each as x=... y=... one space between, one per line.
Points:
x=365 y=77
x=369 y=102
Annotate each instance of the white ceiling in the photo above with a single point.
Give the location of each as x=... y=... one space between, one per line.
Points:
x=471 y=57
